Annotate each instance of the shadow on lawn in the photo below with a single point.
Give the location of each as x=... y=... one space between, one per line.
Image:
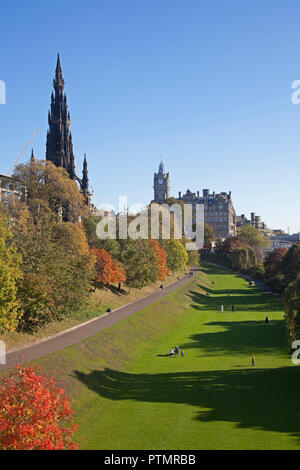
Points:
x=252 y=398
x=254 y=300
x=240 y=337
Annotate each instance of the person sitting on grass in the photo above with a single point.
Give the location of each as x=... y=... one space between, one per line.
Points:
x=171 y=352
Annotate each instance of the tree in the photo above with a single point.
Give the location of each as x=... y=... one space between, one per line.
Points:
x=44 y=181
x=161 y=259
x=35 y=296
x=233 y=243
x=35 y=414
x=177 y=256
x=243 y=259
x=291 y=264
x=108 y=272
x=273 y=263
x=292 y=310
x=252 y=236
x=10 y=273
x=193 y=257
x=219 y=244
x=139 y=261
x=57 y=265
x=209 y=234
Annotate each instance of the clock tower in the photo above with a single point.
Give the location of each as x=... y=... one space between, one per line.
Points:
x=161 y=185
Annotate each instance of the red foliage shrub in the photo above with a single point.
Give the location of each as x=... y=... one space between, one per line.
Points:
x=35 y=414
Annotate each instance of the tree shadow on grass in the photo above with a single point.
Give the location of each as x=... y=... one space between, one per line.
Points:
x=255 y=300
x=240 y=337
x=252 y=398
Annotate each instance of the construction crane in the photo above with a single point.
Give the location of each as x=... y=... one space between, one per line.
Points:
x=28 y=143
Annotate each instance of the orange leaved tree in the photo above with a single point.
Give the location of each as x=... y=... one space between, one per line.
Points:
x=108 y=272
x=161 y=257
x=35 y=414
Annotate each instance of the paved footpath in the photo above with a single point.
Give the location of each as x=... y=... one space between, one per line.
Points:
x=78 y=333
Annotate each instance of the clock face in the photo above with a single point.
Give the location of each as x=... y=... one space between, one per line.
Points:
x=160 y=181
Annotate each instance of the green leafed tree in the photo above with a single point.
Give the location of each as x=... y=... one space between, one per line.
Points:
x=10 y=273
x=209 y=234
x=177 y=256
x=139 y=261
x=292 y=310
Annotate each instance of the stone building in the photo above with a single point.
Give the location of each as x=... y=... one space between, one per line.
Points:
x=219 y=212
x=255 y=221
x=59 y=146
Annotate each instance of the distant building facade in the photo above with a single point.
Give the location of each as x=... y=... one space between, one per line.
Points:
x=219 y=212
x=255 y=221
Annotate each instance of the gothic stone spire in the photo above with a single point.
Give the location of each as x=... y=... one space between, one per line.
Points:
x=59 y=147
x=84 y=183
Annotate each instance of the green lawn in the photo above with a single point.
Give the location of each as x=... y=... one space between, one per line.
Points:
x=129 y=395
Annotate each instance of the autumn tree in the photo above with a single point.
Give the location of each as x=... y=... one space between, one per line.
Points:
x=273 y=263
x=57 y=265
x=161 y=259
x=233 y=243
x=10 y=274
x=291 y=264
x=35 y=413
x=292 y=310
x=44 y=181
x=108 y=272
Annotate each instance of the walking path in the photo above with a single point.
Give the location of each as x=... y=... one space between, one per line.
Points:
x=78 y=333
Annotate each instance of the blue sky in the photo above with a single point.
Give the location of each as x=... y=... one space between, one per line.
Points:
x=204 y=85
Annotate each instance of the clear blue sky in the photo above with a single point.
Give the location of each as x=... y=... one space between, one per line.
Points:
x=204 y=84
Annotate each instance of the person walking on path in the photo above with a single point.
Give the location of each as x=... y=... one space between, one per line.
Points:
x=267 y=320
x=109 y=311
x=233 y=308
x=253 y=360
x=222 y=308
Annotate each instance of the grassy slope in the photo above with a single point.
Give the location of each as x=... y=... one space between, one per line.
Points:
x=100 y=301
x=128 y=395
